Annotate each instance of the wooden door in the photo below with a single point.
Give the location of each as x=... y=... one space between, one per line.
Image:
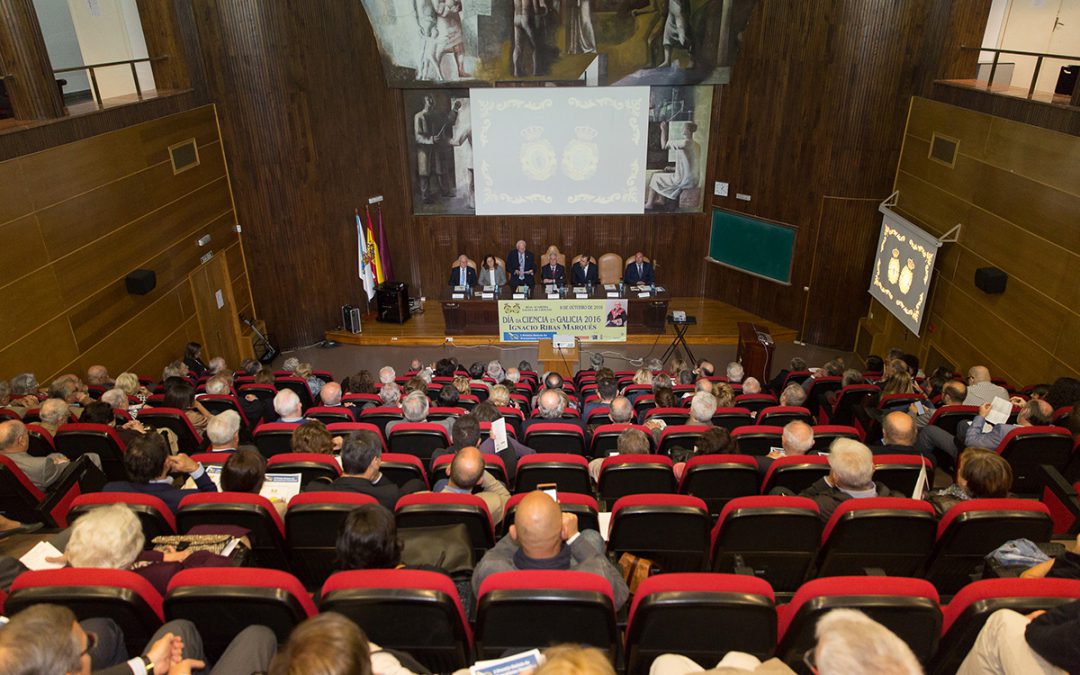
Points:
x=216 y=309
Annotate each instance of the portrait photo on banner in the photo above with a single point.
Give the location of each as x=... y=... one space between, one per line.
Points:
x=447 y=43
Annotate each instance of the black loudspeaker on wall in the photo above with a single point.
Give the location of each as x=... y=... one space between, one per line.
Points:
x=991 y=279
x=140 y=282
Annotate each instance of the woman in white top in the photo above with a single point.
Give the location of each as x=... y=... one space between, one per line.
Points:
x=491 y=273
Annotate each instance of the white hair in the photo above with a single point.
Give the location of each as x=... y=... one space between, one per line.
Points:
x=54 y=411
x=702 y=407
x=217 y=385
x=548 y=411
x=735 y=372
x=24 y=384
x=223 y=427
x=387 y=374
x=415 y=407
x=793 y=394
x=513 y=374
x=751 y=386
x=852 y=463
x=108 y=536
x=495 y=371
x=851 y=643
x=291 y=364
x=217 y=364
x=116 y=398
x=129 y=382
x=390 y=393
x=798 y=437
x=330 y=394
x=426 y=375
x=286 y=403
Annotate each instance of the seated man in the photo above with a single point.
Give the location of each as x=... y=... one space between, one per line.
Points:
x=223 y=432
x=1043 y=641
x=1035 y=413
x=898 y=435
x=468 y=476
x=793 y=395
x=630 y=442
x=607 y=389
x=851 y=476
x=330 y=395
x=463 y=275
x=99 y=375
x=148 y=465
x=43 y=472
x=639 y=272
x=544 y=538
x=735 y=372
x=71 y=390
x=288 y=408
x=932 y=438
x=361 y=459
x=585 y=273
x=553 y=272
x=797 y=439
x=751 y=385
x=415 y=409
x=702 y=409
x=980 y=389
x=54 y=413
x=550 y=405
x=116 y=399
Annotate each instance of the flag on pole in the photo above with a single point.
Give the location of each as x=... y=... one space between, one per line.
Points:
x=384 y=250
x=373 y=249
x=364 y=255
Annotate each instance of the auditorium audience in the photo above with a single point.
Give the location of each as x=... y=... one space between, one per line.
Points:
x=71 y=390
x=735 y=372
x=98 y=375
x=218 y=366
x=361 y=461
x=467 y=475
x=751 y=386
x=898 y=435
x=851 y=476
x=313 y=436
x=723 y=392
x=43 y=472
x=414 y=409
x=797 y=440
x=550 y=405
x=129 y=382
x=702 y=409
x=174 y=369
x=360 y=383
x=630 y=442
x=1032 y=414
x=115 y=398
x=390 y=395
x=314 y=384
x=1043 y=641
x=330 y=644
x=542 y=537
x=981 y=474
x=53 y=413
x=606 y=390
x=193 y=359
x=776 y=385
x=793 y=395
x=715 y=441
x=148 y=464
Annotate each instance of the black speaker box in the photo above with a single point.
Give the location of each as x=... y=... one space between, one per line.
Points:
x=392 y=302
x=140 y=282
x=991 y=279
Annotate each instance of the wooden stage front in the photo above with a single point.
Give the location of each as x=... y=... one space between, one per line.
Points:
x=717 y=324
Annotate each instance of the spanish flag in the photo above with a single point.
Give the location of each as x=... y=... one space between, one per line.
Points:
x=373 y=249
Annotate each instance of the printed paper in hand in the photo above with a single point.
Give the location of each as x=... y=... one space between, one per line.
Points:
x=498 y=432
x=920 y=484
x=525 y=662
x=281 y=486
x=603 y=521
x=35 y=557
x=1000 y=409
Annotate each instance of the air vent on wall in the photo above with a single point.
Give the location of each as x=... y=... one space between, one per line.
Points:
x=184 y=155
x=943 y=149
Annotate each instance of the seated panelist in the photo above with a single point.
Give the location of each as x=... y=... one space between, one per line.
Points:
x=491 y=274
x=553 y=272
x=638 y=271
x=463 y=275
x=585 y=272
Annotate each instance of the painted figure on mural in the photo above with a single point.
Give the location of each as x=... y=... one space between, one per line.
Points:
x=427 y=63
x=677 y=32
x=528 y=36
x=666 y=186
x=461 y=123
x=450 y=39
x=432 y=163
x=580 y=38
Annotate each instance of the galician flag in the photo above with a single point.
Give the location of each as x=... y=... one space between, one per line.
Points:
x=364 y=254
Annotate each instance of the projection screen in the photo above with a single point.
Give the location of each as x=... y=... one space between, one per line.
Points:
x=561 y=150
x=903 y=267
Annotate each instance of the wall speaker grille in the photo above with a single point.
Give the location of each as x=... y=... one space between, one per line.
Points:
x=184 y=155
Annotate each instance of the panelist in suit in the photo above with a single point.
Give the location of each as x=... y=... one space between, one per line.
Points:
x=520 y=266
x=585 y=272
x=553 y=272
x=463 y=275
x=490 y=272
x=639 y=271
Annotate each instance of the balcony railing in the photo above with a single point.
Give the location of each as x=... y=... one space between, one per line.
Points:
x=92 y=68
x=1039 y=56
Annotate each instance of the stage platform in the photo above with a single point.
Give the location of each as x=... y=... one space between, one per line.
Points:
x=717 y=324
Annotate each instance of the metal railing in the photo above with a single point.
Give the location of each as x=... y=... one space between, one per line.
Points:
x=1038 y=64
x=93 y=75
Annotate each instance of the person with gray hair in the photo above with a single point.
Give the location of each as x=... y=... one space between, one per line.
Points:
x=513 y=375
x=217 y=366
x=751 y=385
x=414 y=408
x=24 y=384
x=174 y=369
x=621 y=410
x=288 y=408
x=41 y=471
x=793 y=395
x=735 y=372
x=702 y=409
x=467 y=473
x=851 y=476
x=291 y=364
x=98 y=375
x=851 y=643
x=116 y=398
x=797 y=439
x=54 y=413
x=390 y=395
x=223 y=431
x=550 y=406
x=387 y=374
x=218 y=385
x=495 y=371
x=330 y=395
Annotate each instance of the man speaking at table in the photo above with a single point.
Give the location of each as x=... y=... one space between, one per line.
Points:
x=520 y=266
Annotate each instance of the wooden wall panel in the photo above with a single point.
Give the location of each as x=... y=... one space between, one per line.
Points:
x=105 y=206
x=152 y=361
x=1018 y=214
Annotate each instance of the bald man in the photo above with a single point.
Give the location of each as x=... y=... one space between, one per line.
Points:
x=98 y=375
x=544 y=538
x=981 y=389
x=330 y=395
x=468 y=476
x=898 y=436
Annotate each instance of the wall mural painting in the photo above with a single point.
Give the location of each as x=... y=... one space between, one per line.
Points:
x=439 y=131
x=440 y=43
x=678 y=146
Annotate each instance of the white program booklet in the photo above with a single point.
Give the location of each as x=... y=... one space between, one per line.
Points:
x=498 y=432
x=34 y=559
x=282 y=486
x=525 y=662
x=1000 y=409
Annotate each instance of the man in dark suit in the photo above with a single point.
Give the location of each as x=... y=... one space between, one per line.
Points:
x=553 y=272
x=639 y=271
x=798 y=439
x=520 y=266
x=361 y=461
x=148 y=465
x=585 y=272
x=550 y=405
x=463 y=275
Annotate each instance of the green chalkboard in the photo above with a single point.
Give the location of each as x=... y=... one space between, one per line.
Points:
x=752 y=245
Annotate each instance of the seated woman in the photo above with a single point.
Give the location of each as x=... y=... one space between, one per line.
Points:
x=315 y=384
x=312 y=436
x=129 y=383
x=245 y=471
x=181 y=395
x=491 y=274
x=500 y=397
x=715 y=441
x=982 y=474
x=111 y=537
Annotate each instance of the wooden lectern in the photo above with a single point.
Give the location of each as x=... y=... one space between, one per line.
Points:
x=561 y=361
x=755 y=351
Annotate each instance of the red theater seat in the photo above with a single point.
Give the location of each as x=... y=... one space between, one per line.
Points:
x=311 y=528
x=624 y=475
x=154 y=515
x=426 y=509
x=310 y=465
x=21 y=500
x=672 y=530
x=880 y=535
x=582 y=506
x=252 y=512
x=555 y=437
x=718 y=479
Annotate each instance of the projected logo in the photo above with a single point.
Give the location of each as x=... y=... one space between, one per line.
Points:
x=536 y=154
x=902 y=270
x=581 y=155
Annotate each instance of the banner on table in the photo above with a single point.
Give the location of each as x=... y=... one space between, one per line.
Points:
x=531 y=320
